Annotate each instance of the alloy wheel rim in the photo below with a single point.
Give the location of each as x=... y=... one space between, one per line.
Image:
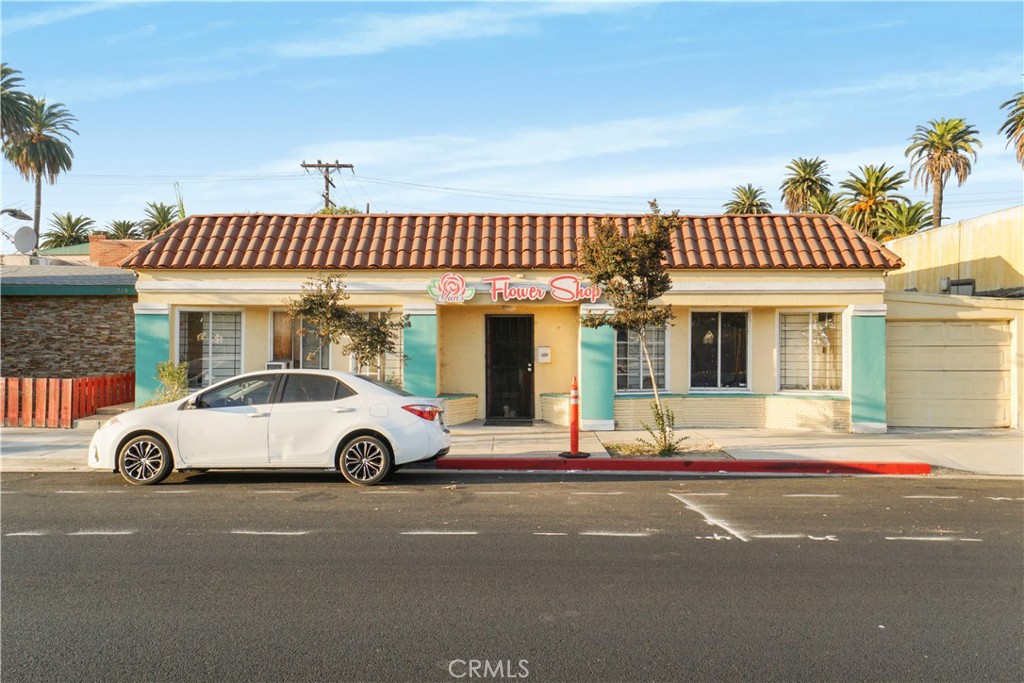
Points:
x=143 y=460
x=364 y=460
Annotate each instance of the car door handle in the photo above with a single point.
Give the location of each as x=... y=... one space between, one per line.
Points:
x=256 y=414
x=343 y=410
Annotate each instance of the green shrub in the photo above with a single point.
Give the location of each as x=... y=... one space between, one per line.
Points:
x=173 y=379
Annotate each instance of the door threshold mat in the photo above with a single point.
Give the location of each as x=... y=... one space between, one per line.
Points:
x=508 y=422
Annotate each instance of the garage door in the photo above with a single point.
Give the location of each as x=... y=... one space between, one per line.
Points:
x=948 y=374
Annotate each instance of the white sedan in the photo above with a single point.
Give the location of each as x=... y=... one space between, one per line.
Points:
x=276 y=419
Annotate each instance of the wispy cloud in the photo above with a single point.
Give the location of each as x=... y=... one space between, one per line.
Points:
x=951 y=82
x=377 y=33
x=133 y=35
x=111 y=88
x=55 y=15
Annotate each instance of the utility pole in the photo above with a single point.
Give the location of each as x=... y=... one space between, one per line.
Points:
x=326 y=170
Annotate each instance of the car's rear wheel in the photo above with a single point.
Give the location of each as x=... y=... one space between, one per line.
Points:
x=145 y=460
x=365 y=460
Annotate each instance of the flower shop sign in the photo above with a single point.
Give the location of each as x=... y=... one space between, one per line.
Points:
x=451 y=288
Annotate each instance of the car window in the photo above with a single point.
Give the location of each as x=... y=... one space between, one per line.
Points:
x=250 y=391
x=384 y=385
x=305 y=388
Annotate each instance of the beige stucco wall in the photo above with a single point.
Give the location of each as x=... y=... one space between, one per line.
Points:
x=463 y=355
x=461 y=341
x=988 y=248
x=911 y=307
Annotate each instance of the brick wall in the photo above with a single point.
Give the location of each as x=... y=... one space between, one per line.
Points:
x=66 y=336
x=753 y=412
x=105 y=252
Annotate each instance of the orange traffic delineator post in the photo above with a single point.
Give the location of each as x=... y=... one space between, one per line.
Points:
x=574 y=424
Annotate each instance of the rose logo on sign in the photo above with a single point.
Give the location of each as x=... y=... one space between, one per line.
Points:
x=450 y=288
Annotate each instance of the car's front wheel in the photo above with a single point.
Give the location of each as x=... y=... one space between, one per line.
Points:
x=145 y=460
x=365 y=460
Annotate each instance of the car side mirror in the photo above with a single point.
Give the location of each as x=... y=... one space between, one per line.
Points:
x=189 y=404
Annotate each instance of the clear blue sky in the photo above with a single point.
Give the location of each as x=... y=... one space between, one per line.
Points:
x=503 y=107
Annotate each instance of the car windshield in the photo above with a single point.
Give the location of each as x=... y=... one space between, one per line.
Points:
x=384 y=385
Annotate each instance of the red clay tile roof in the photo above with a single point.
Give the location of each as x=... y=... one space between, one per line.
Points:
x=490 y=241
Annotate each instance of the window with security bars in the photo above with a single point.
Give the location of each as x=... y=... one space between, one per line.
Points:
x=631 y=372
x=387 y=367
x=304 y=350
x=210 y=342
x=811 y=351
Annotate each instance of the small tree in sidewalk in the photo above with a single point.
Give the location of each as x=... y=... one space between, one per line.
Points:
x=630 y=270
x=323 y=312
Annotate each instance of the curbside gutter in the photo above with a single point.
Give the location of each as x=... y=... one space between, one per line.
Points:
x=684 y=466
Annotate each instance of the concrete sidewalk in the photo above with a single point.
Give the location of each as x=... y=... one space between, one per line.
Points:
x=987 y=452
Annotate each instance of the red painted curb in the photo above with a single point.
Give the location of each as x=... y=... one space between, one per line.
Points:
x=665 y=465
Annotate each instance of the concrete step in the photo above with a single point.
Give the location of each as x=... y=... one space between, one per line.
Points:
x=94 y=422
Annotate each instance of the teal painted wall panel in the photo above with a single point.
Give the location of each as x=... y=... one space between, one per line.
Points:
x=152 y=346
x=867 y=395
x=420 y=344
x=597 y=373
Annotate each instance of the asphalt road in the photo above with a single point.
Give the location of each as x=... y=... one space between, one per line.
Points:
x=300 y=577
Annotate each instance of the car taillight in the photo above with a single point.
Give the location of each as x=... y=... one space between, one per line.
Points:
x=427 y=412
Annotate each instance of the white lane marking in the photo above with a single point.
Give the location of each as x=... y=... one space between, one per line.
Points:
x=63 y=491
x=936 y=497
x=27 y=533
x=708 y=518
x=779 y=536
x=497 y=493
x=707 y=494
x=989 y=497
x=971 y=540
x=245 y=532
x=919 y=538
x=598 y=493
x=624 y=534
x=829 y=537
x=811 y=495
x=549 y=533
x=167 y=493
x=101 y=532
x=440 y=533
x=276 y=491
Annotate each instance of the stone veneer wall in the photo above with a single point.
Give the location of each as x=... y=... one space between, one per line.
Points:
x=66 y=336
x=755 y=412
x=459 y=409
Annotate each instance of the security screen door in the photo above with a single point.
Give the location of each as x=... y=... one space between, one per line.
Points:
x=509 y=367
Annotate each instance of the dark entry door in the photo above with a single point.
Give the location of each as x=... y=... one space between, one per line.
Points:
x=510 y=366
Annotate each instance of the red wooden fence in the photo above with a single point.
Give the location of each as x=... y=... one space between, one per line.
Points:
x=35 y=402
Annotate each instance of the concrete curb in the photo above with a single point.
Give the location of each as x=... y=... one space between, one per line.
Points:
x=677 y=466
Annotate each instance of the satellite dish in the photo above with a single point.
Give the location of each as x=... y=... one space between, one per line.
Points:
x=25 y=239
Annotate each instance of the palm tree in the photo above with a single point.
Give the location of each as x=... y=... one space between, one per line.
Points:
x=159 y=217
x=807 y=178
x=14 y=103
x=944 y=147
x=902 y=219
x=67 y=231
x=1013 y=127
x=123 y=230
x=43 y=150
x=747 y=199
x=825 y=203
x=865 y=194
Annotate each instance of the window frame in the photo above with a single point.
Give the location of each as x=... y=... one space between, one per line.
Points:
x=644 y=392
x=176 y=336
x=749 y=312
x=844 y=329
x=270 y=346
x=354 y=368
